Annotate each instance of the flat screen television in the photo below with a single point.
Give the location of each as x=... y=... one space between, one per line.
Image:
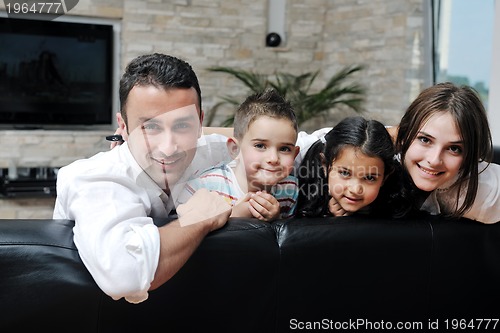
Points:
x=56 y=73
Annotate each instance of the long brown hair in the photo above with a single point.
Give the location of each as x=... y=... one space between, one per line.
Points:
x=465 y=106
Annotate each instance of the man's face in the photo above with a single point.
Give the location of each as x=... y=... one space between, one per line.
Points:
x=163 y=127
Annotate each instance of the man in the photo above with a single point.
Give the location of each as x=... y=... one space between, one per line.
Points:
x=114 y=196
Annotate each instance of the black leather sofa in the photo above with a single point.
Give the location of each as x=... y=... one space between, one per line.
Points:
x=344 y=274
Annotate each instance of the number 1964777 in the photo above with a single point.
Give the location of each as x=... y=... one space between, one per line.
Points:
x=21 y=7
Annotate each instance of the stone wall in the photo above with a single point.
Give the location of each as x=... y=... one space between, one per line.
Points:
x=384 y=35
x=33 y=148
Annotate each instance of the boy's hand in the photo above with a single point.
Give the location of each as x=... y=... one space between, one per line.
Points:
x=336 y=209
x=264 y=206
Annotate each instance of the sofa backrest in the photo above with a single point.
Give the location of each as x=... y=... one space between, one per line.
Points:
x=43 y=283
x=252 y=276
x=228 y=285
x=410 y=271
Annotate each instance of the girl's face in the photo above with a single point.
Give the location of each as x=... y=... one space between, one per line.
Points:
x=355 y=179
x=434 y=158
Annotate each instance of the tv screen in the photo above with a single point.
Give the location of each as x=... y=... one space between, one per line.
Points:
x=55 y=73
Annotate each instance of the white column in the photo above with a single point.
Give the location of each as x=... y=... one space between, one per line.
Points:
x=494 y=93
x=276 y=18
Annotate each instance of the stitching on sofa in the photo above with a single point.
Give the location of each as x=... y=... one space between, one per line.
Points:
x=38 y=244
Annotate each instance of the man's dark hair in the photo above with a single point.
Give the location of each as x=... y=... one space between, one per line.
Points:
x=159 y=70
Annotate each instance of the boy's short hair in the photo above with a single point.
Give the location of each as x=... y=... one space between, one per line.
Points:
x=267 y=103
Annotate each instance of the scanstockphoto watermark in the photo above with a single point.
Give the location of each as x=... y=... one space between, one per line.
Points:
x=364 y=325
x=355 y=324
x=43 y=10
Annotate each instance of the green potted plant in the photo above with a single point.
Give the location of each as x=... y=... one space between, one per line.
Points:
x=298 y=90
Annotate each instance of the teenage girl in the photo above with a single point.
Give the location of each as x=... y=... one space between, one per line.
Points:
x=445 y=149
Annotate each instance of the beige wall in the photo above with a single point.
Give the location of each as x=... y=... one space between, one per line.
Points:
x=385 y=35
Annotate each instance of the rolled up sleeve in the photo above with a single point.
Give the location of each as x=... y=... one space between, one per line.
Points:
x=116 y=240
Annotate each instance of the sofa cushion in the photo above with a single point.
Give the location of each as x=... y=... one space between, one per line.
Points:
x=357 y=268
x=43 y=282
x=465 y=269
x=229 y=282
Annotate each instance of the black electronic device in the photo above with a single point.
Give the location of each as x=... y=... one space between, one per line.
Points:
x=28 y=182
x=55 y=73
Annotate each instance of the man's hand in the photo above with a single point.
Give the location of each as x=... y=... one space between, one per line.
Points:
x=393 y=132
x=204 y=206
x=336 y=209
x=242 y=207
x=204 y=212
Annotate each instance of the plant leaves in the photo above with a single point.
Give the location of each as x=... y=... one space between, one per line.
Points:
x=297 y=89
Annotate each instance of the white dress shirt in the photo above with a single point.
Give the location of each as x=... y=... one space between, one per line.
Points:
x=113 y=203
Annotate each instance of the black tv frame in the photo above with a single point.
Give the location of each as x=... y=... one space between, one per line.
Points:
x=80 y=115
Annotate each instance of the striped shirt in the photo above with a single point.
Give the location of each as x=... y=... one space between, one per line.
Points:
x=221 y=179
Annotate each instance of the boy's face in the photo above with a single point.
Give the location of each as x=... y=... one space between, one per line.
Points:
x=163 y=128
x=268 y=151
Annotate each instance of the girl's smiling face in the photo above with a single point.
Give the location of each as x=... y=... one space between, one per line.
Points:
x=354 y=179
x=435 y=156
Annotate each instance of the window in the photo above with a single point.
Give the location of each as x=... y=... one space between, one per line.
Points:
x=463 y=43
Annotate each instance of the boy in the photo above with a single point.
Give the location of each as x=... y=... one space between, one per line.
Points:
x=257 y=182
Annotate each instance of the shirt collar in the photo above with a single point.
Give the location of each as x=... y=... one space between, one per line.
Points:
x=141 y=178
